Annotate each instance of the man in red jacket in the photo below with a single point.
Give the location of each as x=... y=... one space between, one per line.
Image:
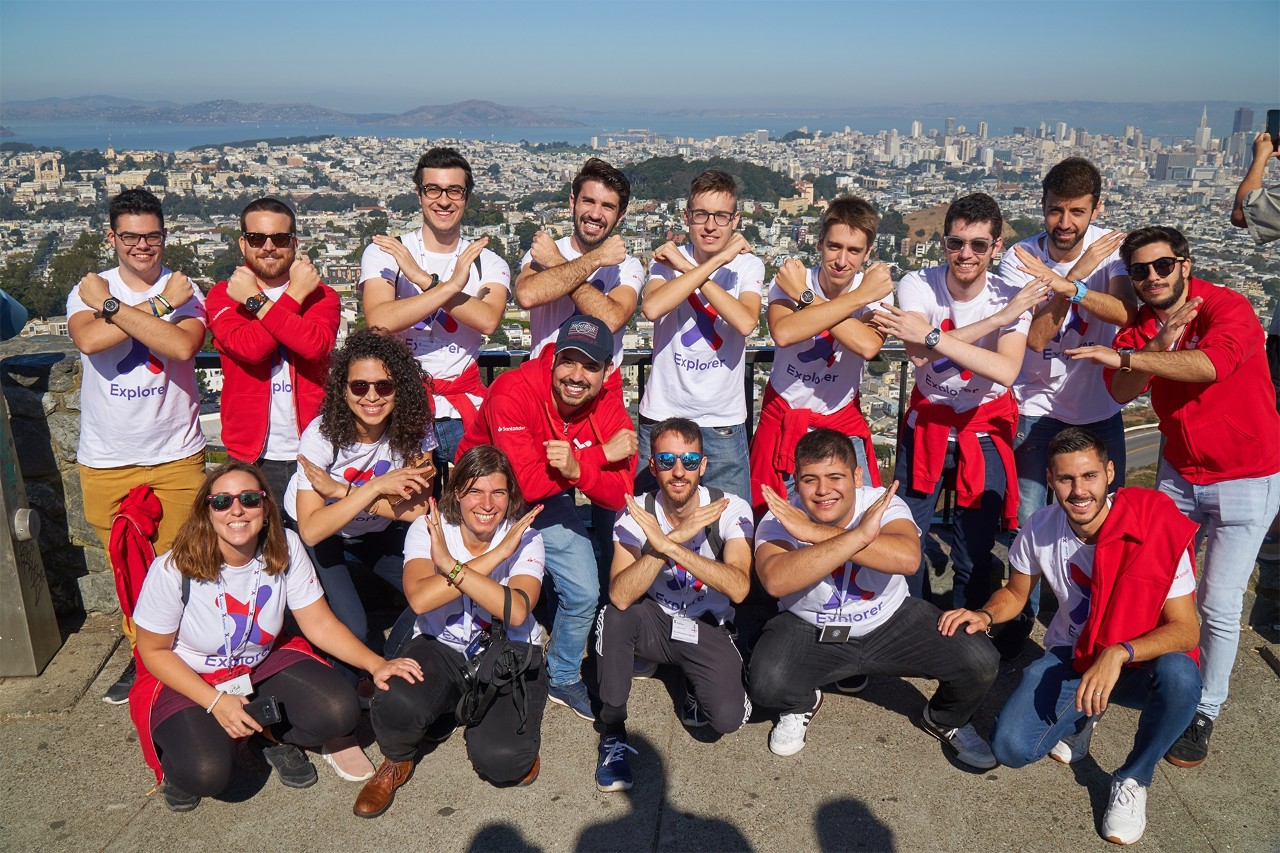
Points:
x=1199 y=348
x=275 y=324
x=563 y=429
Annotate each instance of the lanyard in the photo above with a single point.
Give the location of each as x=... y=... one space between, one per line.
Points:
x=844 y=590
x=251 y=605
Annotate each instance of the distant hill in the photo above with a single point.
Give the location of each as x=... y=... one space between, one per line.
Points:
x=476 y=114
x=930 y=220
x=669 y=177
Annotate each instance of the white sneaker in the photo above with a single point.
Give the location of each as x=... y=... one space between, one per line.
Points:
x=347 y=759
x=1071 y=749
x=787 y=737
x=1126 y=815
x=964 y=741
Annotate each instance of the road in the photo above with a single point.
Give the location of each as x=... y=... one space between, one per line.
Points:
x=1142 y=447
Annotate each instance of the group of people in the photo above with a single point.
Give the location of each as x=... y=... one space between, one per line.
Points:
x=390 y=453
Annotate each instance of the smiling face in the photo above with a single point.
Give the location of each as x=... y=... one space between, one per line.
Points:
x=596 y=212
x=707 y=237
x=270 y=262
x=237 y=528
x=371 y=409
x=678 y=485
x=844 y=251
x=1163 y=293
x=828 y=490
x=443 y=215
x=483 y=505
x=576 y=380
x=1066 y=220
x=142 y=260
x=967 y=267
x=1080 y=482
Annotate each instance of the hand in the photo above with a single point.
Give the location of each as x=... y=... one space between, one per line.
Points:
x=1033 y=266
x=1174 y=326
x=669 y=255
x=440 y=556
x=560 y=457
x=242 y=284
x=511 y=541
x=94 y=291
x=324 y=485
x=876 y=282
x=971 y=620
x=793 y=278
x=737 y=245
x=178 y=290
x=407 y=668
x=1096 y=684
x=610 y=253
x=230 y=714
x=545 y=252
x=648 y=523
x=462 y=268
x=404 y=260
x=304 y=278
x=624 y=444
x=908 y=326
x=1097 y=252
x=697 y=520
x=1264 y=147
x=400 y=484
x=1105 y=356
x=869 y=524
x=795 y=521
x=1032 y=294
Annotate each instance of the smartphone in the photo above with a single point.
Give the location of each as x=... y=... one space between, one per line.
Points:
x=264 y=710
x=1273 y=128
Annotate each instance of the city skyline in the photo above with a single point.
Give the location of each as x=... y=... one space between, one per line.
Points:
x=393 y=56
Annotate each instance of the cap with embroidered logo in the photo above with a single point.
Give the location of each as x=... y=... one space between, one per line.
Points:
x=588 y=335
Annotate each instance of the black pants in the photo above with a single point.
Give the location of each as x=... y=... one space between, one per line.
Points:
x=712 y=665
x=788 y=663
x=316 y=705
x=498 y=751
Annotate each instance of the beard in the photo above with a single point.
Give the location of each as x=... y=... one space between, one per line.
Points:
x=1177 y=286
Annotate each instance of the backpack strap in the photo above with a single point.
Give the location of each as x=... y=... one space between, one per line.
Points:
x=712 y=530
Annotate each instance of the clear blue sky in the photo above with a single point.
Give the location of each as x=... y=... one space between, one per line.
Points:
x=621 y=54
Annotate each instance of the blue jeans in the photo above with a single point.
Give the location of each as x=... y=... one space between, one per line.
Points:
x=1234 y=516
x=571 y=600
x=1031 y=457
x=728 y=460
x=449 y=435
x=974 y=528
x=1042 y=709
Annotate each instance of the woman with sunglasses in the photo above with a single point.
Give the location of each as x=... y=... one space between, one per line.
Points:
x=462 y=561
x=209 y=621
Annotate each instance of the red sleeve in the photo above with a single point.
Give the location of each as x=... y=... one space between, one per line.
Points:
x=504 y=422
x=310 y=333
x=1229 y=332
x=237 y=334
x=608 y=483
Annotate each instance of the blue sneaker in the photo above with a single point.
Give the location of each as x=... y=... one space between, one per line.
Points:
x=612 y=772
x=574 y=697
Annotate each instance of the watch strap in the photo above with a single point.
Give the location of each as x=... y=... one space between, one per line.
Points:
x=1082 y=290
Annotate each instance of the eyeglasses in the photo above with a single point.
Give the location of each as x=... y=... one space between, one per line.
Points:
x=249 y=499
x=979 y=246
x=697 y=217
x=667 y=461
x=1138 y=271
x=257 y=240
x=454 y=192
x=155 y=238
x=384 y=387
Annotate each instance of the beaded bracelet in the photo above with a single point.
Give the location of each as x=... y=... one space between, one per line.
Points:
x=209 y=710
x=452 y=577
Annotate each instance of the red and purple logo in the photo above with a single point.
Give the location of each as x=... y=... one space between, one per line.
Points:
x=846 y=592
x=139 y=355
x=239 y=613
x=823 y=349
x=944 y=364
x=704 y=324
x=356 y=477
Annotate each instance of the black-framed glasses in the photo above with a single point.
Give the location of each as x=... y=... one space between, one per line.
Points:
x=154 y=238
x=666 y=461
x=384 y=387
x=979 y=246
x=257 y=241
x=455 y=192
x=1138 y=271
x=697 y=217
x=249 y=499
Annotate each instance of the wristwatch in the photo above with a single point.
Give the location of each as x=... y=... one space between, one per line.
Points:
x=256 y=302
x=110 y=307
x=806 y=298
x=1081 y=290
x=1126 y=353
x=931 y=339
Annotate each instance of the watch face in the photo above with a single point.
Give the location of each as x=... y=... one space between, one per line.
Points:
x=931 y=339
x=111 y=305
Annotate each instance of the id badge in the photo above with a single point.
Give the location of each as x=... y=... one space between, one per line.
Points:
x=241 y=685
x=834 y=634
x=684 y=630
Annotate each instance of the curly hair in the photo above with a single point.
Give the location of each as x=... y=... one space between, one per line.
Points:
x=481 y=461
x=410 y=419
x=195 y=551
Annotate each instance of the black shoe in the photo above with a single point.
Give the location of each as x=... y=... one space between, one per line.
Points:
x=118 y=693
x=179 y=800
x=295 y=770
x=1192 y=746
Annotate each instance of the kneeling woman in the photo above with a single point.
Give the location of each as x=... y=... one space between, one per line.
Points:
x=209 y=619
x=460 y=571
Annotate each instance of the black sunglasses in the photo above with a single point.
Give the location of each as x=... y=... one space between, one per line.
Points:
x=1162 y=266
x=249 y=499
x=384 y=387
x=667 y=461
x=257 y=241
x=979 y=246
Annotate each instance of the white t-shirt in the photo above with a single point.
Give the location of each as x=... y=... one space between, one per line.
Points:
x=944 y=381
x=356 y=464
x=545 y=320
x=852 y=595
x=137 y=407
x=1051 y=383
x=698 y=358
x=1047 y=545
x=455 y=623
x=282 y=429
x=443 y=346
x=675 y=588
x=820 y=374
x=202 y=630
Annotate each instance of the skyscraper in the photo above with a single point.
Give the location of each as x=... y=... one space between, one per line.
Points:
x=1203 y=132
x=915 y=130
x=1243 y=122
x=982 y=130
x=950 y=129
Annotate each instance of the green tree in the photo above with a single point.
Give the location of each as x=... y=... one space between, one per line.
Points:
x=182 y=258
x=525 y=231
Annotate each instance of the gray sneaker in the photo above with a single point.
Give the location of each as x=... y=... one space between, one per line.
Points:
x=963 y=741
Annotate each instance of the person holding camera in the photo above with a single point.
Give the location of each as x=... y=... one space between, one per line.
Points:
x=471 y=562
x=213 y=665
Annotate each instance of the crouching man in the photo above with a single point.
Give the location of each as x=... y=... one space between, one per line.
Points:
x=836 y=556
x=1122 y=570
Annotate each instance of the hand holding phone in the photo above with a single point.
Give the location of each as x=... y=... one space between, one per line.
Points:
x=1273 y=128
x=264 y=710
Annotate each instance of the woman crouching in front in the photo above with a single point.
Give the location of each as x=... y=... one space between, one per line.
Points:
x=214 y=666
x=464 y=562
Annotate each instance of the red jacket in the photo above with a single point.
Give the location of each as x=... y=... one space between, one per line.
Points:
x=519 y=415
x=1134 y=563
x=1227 y=429
x=249 y=345
x=133 y=528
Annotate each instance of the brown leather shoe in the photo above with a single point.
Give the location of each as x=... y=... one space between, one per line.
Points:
x=532 y=774
x=376 y=795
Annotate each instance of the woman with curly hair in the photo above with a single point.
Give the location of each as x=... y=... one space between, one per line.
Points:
x=209 y=621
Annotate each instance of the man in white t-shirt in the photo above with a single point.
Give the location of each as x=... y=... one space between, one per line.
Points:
x=681 y=560
x=275 y=324
x=817 y=320
x=966 y=332
x=1122 y=569
x=835 y=556
x=138 y=327
x=704 y=300
x=440 y=293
